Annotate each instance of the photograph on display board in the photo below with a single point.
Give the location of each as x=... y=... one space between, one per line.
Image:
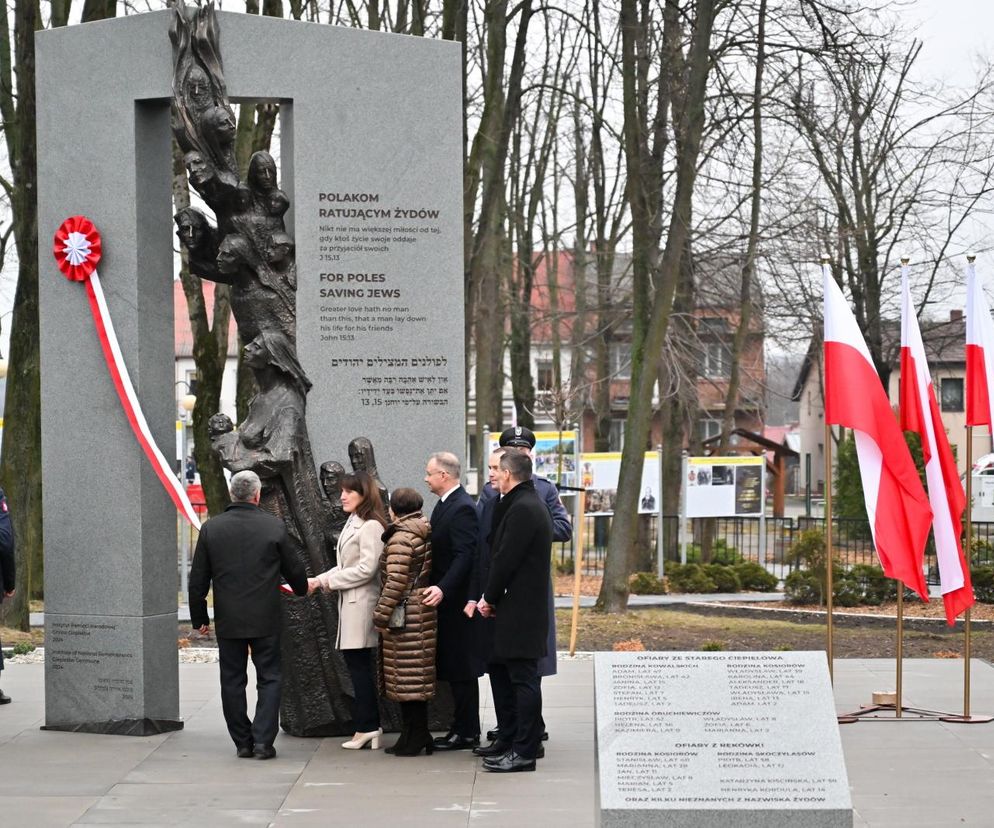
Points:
x=748 y=497
x=551 y=455
x=599 y=476
x=550 y=448
x=724 y=486
x=722 y=476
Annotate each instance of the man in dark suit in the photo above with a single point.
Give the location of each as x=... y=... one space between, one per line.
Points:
x=521 y=439
x=516 y=594
x=7 y=570
x=244 y=552
x=453 y=540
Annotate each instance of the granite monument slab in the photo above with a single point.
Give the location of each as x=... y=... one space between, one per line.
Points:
x=718 y=740
x=371 y=166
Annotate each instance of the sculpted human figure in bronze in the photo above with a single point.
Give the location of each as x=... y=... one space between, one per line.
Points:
x=251 y=251
x=195 y=233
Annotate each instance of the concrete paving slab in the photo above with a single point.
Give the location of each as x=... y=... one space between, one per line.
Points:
x=58 y=811
x=901 y=773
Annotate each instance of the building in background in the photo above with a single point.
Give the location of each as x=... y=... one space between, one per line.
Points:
x=944 y=348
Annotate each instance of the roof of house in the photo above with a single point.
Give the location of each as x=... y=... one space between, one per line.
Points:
x=944 y=342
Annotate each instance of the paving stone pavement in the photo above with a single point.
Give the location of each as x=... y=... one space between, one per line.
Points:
x=908 y=773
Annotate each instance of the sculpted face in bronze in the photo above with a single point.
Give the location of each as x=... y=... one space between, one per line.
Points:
x=232 y=254
x=198 y=168
x=262 y=172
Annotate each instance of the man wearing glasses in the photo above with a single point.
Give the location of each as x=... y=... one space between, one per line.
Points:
x=453 y=541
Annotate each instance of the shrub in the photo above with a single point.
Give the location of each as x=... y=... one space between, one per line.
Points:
x=713 y=646
x=689 y=578
x=802 y=587
x=983 y=583
x=721 y=553
x=725 y=578
x=23 y=648
x=754 y=578
x=875 y=587
x=981 y=551
x=847 y=591
x=565 y=567
x=808 y=551
x=646 y=583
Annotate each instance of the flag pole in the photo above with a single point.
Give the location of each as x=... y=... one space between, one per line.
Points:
x=829 y=557
x=968 y=555
x=898 y=699
x=967 y=718
x=579 y=540
x=968 y=544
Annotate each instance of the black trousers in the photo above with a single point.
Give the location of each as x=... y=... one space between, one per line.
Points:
x=466 y=708
x=365 y=703
x=517 y=693
x=233 y=656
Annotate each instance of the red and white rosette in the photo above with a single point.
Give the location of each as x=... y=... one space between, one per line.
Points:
x=77 y=252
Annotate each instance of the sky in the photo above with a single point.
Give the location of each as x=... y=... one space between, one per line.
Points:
x=955 y=34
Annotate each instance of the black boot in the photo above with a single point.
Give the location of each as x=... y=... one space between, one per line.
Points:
x=400 y=745
x=418 y=736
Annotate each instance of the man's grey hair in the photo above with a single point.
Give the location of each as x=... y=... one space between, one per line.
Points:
x=448 y=463
x=245 y=485
x=519 y=464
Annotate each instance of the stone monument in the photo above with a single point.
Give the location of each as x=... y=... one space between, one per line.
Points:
x=368 y=150
x=718 y=740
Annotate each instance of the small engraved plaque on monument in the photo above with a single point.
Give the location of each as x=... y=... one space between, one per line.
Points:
x=723 y=740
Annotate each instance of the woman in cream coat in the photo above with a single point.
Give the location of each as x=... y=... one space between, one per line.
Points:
x=357 y=581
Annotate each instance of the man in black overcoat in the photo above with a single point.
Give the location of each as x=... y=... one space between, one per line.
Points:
x=453 y=540
x=243 y=552
x=7 y=570
x=516 y=595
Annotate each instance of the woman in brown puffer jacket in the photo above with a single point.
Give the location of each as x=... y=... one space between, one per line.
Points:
x=408 y=652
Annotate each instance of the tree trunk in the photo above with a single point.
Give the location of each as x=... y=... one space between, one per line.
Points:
x=210 y=353
x=649 y=335
x=20 y=464
x=752 y=244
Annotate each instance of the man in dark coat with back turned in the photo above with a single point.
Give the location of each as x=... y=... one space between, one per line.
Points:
x=243 y=552
x=453 y=540
x=516 y=594
x=6 y=567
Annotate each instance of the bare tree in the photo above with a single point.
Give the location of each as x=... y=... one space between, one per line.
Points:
x=648 y=107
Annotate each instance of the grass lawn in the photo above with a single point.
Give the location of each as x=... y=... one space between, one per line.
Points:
x=672 y=629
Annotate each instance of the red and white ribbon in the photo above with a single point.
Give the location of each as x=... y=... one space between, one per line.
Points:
x=77 y=253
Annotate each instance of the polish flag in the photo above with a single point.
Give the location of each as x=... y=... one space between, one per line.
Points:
x=896 y=505
x=979 y=352
x=920 y=413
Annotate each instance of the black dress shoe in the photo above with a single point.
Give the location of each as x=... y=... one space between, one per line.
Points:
x=495 y=748
x=492 y=734
x=454 y=741
x=245 y=752
x=264 y=752
x=510 y=762
x=4 y=698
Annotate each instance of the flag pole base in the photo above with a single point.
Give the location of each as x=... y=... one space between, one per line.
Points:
x=960 y=719
x=888 y=713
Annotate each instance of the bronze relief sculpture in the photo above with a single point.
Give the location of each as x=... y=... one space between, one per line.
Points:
x=249 y=248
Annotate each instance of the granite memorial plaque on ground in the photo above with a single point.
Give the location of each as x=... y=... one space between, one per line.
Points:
x=370 y=153
x=718 y=740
